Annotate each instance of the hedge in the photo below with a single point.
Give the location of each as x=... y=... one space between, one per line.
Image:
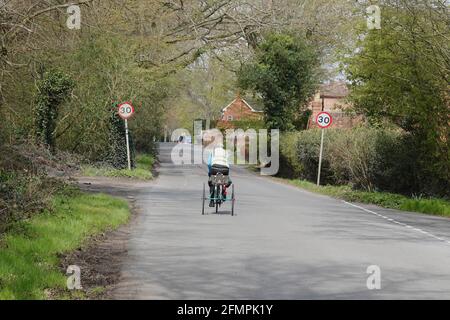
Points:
x=370 y=159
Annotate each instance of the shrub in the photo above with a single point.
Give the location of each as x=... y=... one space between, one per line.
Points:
x=299 y=152
x=396 y=165
x=351 y=155
x=370 y=159
x=25 y=189
x=290 y=164
x=308 y=149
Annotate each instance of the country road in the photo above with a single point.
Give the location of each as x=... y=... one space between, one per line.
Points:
x=284 y=243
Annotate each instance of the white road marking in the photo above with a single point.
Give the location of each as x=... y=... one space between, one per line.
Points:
x=399 y=223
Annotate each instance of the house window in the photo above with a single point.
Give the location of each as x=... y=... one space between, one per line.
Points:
x=230 y=118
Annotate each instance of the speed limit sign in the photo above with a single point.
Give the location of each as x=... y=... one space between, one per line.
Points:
x=324 y=120
x=126 y=110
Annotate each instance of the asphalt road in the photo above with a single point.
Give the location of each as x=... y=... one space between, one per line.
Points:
x=284 y=243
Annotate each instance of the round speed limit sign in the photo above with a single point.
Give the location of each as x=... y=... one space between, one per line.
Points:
x=126 y=110
x=324 y=120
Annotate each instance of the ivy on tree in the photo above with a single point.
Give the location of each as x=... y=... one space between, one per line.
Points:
x=53 y=89
x=284 y=73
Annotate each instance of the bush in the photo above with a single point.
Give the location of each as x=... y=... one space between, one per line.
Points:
x=25 y=189
x=370 y=159
x=351 y=155
x=300 y=152
x=290 y=166
x=308 y=150
x=396 y=161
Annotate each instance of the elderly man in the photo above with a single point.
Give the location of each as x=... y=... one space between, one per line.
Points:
x=218 y=163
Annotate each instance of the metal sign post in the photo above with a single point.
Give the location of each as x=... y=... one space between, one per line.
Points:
x=128 y=145
x=320 y=157
x=323 y=120
x=126 y=110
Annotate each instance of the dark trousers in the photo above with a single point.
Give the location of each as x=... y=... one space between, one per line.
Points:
x=215 y=169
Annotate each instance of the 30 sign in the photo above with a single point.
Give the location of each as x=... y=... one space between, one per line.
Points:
x=324 y=120
x=126 y=110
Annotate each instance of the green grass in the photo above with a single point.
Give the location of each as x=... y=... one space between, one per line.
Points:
x=388 y=200
x=145 y=161
x=144 y=164
x=29 y=251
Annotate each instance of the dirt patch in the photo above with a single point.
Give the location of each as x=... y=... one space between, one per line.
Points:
x=100 y=260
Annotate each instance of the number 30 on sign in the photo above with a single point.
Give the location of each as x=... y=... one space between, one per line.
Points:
x=324 y=120
x=126 y=110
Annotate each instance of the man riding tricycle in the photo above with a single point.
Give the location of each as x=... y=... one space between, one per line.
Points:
x=218 y=180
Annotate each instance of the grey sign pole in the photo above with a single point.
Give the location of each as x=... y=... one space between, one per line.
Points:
x=128 y=144
x=320 y=157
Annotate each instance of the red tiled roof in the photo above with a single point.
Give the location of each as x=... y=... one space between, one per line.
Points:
x=238 y=99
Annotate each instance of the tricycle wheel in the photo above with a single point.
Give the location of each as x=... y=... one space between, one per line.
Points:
x=216 y=197
x=203 y=200
x=232 y=200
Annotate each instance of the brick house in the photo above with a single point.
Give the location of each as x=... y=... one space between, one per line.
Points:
x=331 y=98
x=237 y=110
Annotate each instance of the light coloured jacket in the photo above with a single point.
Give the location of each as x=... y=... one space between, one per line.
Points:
x=218 y=157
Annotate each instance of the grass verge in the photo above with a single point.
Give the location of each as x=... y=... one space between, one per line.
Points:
x=144 y=164
x=30 y=250
x=388 y=200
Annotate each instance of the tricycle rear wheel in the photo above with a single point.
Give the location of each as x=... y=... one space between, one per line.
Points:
x=232 y=200
x=203 y=200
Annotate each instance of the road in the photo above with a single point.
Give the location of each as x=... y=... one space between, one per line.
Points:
x=284 y=243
